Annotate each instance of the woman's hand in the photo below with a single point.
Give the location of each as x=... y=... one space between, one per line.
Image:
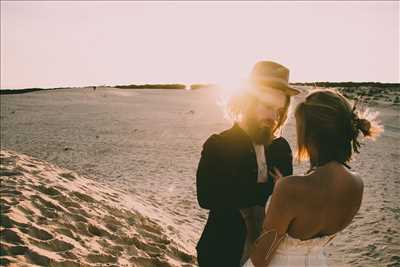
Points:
x=276 y=174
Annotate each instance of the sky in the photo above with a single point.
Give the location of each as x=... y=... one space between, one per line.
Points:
x=78 y=43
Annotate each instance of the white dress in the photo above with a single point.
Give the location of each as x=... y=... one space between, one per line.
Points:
x=295 y=252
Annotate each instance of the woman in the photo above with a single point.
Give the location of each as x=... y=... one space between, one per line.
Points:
x=307 y=211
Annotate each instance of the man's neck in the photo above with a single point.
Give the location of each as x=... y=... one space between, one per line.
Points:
x=244 y=127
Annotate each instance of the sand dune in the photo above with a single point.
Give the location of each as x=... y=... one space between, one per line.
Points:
x=53 y=217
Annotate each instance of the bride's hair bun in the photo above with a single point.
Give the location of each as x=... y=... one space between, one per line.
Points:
x=364 y=126
x=366 y=122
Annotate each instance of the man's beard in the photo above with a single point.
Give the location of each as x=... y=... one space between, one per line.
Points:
x=260 y=134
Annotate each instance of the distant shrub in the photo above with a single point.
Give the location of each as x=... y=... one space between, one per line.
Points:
x=395 y=86
x=19 y=91
x=152 y=86
x=199 y=86
x=369 y=93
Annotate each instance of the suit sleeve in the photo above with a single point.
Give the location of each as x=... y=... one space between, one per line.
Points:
x=279 y=155
x=218 y=187
x=282 y=156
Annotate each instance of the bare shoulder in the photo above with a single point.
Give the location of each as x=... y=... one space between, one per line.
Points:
x=358 y=181
x=291 y=187
x=293 y=182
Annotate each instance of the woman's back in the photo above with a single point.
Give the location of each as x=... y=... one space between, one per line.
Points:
x=325 y=201
x=320 y=204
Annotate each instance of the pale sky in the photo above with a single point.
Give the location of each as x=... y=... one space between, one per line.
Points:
x=77 y=43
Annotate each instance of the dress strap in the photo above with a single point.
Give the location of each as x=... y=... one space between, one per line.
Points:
x=275 y=242
x=329 y=240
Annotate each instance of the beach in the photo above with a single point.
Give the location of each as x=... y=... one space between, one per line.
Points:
x=142 y=148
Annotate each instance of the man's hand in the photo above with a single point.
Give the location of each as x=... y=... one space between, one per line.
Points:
x=276 y=174
x=262 y=179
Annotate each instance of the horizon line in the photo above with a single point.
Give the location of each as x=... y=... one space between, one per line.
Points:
x=191 y=84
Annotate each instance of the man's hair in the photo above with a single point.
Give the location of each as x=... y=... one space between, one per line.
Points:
x=237 y=105
x=327 y=121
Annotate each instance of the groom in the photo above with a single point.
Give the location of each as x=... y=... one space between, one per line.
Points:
x=233 y=180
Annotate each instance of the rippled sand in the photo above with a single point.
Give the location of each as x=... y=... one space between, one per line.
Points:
x=148 y=143
x=54 y=217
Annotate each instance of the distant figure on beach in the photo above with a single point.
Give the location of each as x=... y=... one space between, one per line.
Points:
x=234 y=177
x=307 y=211
x=94 y=88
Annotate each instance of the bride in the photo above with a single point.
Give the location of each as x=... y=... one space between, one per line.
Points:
x=307 y=211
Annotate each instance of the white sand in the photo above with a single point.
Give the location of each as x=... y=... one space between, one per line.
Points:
x=148 y=143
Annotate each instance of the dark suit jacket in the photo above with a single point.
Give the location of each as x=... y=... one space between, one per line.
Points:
x=226 y=182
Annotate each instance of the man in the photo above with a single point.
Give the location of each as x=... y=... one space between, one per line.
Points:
x=233 y=179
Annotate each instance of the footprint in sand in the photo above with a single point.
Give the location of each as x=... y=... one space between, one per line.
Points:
x=148 y=262
x=79 y=215
x=13 y=201
x=28 y=212
x=66 y=201
x=109 y=248
x=101 y=258
x=5 y=221
x=82 y=197
x=38 y=259
x=152 y=249
x=13 y=250
x=94 y=230
x=55 y=245
x=9 y=173
x=31 y=166
x=66 y=263
x=67 y=175
x=42 y=260
x=157 y=237
x=10 y=236
x=67 y=232
x=50 y=191
x=4 y=208
x=7 y=180
x=68 y=255
x=183 y=255
x=9 y=191
x=46 y=208
x=5 y=160
x=111 y=223
x=82 y=229
x=37 y=233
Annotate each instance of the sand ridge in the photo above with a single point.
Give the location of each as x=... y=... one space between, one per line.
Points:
x=51 y=216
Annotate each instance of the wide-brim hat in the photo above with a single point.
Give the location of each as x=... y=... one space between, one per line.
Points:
x=271 y=75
